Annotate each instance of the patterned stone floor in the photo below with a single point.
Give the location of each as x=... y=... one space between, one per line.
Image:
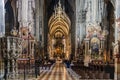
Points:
x=58 y=72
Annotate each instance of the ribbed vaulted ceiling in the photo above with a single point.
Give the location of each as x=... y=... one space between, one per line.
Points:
x=59 y=23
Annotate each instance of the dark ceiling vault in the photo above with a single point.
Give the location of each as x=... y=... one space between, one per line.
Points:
x=69 y=7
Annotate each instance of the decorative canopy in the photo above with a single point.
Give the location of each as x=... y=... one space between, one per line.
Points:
x=59 y=23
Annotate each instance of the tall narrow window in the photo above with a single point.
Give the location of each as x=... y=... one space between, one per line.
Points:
x=2 y=19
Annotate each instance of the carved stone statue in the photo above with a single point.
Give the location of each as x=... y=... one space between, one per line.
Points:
x=116 y=47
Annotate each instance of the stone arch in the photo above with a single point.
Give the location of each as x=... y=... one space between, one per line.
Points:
x=10 y=15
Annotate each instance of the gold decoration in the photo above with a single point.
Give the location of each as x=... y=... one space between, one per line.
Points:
x=59 y=21
x=14 y=32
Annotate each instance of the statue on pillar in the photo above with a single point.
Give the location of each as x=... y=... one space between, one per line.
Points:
x=116 y=48
x=26 y=20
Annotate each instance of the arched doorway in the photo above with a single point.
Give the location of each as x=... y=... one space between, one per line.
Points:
x=59 y=37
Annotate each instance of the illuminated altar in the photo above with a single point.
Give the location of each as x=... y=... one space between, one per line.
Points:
x=59 y=37
x=94 y=43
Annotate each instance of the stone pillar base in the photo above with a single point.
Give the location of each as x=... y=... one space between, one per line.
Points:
x=117 y=69
x=117 y=76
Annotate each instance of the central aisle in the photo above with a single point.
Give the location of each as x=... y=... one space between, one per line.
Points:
x=58 y=72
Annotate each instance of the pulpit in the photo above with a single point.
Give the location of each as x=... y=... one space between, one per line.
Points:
x=10 y=49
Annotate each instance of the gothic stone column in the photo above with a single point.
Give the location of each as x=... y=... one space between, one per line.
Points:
x=117 y=69
x=117 y=39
